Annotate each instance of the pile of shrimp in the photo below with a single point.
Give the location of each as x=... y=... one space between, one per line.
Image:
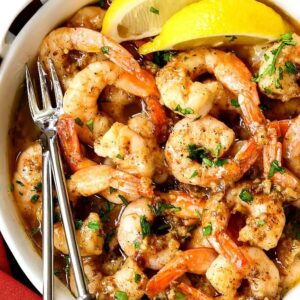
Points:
x=181 y=188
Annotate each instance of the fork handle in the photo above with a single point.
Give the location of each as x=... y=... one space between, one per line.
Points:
x=65 y=208
x=47 y=226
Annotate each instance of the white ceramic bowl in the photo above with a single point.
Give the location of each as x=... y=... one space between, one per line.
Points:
x=24 y=49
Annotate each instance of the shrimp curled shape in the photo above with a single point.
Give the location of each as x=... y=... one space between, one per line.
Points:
x=207 y=134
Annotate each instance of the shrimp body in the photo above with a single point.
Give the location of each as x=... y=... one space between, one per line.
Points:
x=262 y=275
x=281 y=84
x=265 y=218
x=90 y=240
x=130 y=232
x=195 y=261
x=101 y=178
x=181 y=94
x=27 y=182
x=212 y=136
x=127 y=149
x=88 y=17
x=291 y=147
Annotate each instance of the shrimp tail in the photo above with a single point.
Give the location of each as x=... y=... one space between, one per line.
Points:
x=70 y=145
x=193 y=293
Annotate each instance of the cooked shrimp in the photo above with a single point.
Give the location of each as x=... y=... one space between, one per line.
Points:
x=89 y=237
x=265 y=218
x=134 y=78
x=128 y=150
x=27 y=182
x=278 y=73
x=291 y=147
x=88 y=17
x=273 y=169
x=88 y=84
x=192 y=142
x=123 y=281
x=262 y=275
x=92 y=274
x=116 y=102
x=195 y=261
x=130 y=231
x=181 y=94
x=141 y=124
x=215 y=218
x=112 y=184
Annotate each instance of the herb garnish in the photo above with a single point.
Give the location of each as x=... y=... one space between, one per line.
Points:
x=79 y=122
x=275 y=167
x=137 y=277
x=34 y=198
x=160 y=207
x=105 y=50
x=161 y=58
x=94 y=225
x=246 y=196
x=145 y=226
x=235 y=102
x=184 y=111
x=123 y=199
x=90 y=125
x=154 y=10
x=78 y=224
x=207 y=230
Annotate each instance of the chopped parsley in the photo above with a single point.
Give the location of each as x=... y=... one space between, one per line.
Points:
x=137 y=245
x=290 y=68
x=79 y=122
x=246 y=196
x=235 y=102
x=102 y=3
x=267 y=91
x=67 y=266
x=20 y=183
x=263 y=107
x=161 y=58
x=207 y=230
x=108 y=237
x=90 y=125
x=105 y=50
x=154 y=10
x=145 y=226
x=94 y=225
x=160 y=207
x=78 y=224
x=137 y=277
x=195 y=174
x=231 y=38
x=123 y=199
x=266 y=57
x=198 y=214
x=34 y=198
x=285 y=40
x=108 y=206
x=198 y=118
x=184 y=111
x=38 y=187
x=112 y=190
x=275 y=167
x=180 y=296
x=119 y=156
x=261 y=223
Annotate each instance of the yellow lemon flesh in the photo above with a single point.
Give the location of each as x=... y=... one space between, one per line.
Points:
x=137 y=19
x=218 y=22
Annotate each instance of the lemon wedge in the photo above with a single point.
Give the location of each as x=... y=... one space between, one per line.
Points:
x=218 y=22
x=137 y=19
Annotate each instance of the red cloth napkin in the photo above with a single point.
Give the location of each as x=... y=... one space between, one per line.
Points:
x=10 y=289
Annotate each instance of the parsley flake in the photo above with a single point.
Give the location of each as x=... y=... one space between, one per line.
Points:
x=275 y=167
x=137 y=277
x=290 y=68
x=34 y=198
x=90 y=125
x=78 y=224
x=261 y=223
x=145 y=226
x=105 y=50
x=154 y=10
x=246 y=196
x=94 y=225
x=235 y=102
x=184 y=111
x=207 y=230
x=123 y=199
x=79 y=122
x=195 y=174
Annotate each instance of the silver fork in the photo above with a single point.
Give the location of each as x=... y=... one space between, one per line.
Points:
x=46 y=119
